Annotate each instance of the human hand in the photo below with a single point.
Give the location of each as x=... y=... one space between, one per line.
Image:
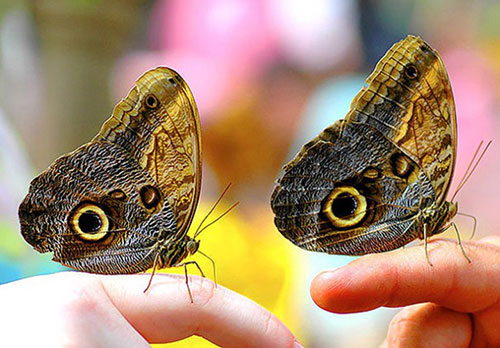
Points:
x=86 y=310
x=452 y=304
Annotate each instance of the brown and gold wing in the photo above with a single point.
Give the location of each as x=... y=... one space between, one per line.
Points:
x=158 y=125
x=409 y=99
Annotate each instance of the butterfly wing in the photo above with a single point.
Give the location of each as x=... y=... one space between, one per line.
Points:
x=106 y=207
x=409 y=99
x=158 y=125
x=359 y=186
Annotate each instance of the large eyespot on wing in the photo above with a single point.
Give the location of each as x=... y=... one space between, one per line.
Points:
x=158 y=125
x=359 y=194
x=90 y=222
x=86 y=209
x=409 y=99
x=345 y=206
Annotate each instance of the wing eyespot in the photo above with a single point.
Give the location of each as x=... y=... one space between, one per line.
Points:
x=89 y=222
x=345 y=207
x=150 y=196
x=401 y=165
x=118 y=194
x=411 y=71
x=151 y=101
x=172 y=81
x=424 y=48
x=371 y=173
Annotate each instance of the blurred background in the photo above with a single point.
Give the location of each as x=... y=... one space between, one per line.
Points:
x=268 y=75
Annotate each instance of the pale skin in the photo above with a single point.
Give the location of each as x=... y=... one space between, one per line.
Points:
x=451 y=304
x=454 y=303
x=73 y=309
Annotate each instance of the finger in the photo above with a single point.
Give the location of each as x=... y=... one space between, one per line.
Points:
x=165 y=313
x=495 y=240
x=486 y=327
x=404 y=277
x=429 y=325
x=61 y=309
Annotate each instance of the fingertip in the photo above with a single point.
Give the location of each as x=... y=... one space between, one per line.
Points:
x=403 y=277
x=342 y=290
x=322 y=287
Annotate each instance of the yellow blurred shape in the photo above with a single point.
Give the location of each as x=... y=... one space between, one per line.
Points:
x=251 y=258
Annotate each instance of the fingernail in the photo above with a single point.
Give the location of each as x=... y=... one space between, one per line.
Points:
x=297 y=345
x=323 y=278
x=332 y=270
x=328 y=273
x=491 y=240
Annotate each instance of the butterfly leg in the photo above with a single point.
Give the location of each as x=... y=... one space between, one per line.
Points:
x=187 y=283
x=425 y=245
x=155 y=263
x=213 y=266
x=473 y=226
x=460 y=242
x=184 y=264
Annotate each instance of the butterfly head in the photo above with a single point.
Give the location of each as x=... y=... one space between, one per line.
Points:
x=192 y=246
x=449 y=210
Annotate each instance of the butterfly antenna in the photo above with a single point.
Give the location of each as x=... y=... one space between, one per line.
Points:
x=470 y=163
x=469 y=171
x=213 y=222
x=212 y=209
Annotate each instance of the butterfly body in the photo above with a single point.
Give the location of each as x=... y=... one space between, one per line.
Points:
x=173 y=252
x=377 y=179
x=126 y=198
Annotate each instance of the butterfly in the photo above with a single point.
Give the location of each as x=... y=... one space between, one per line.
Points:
x=377 y=179
x=123 y=202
